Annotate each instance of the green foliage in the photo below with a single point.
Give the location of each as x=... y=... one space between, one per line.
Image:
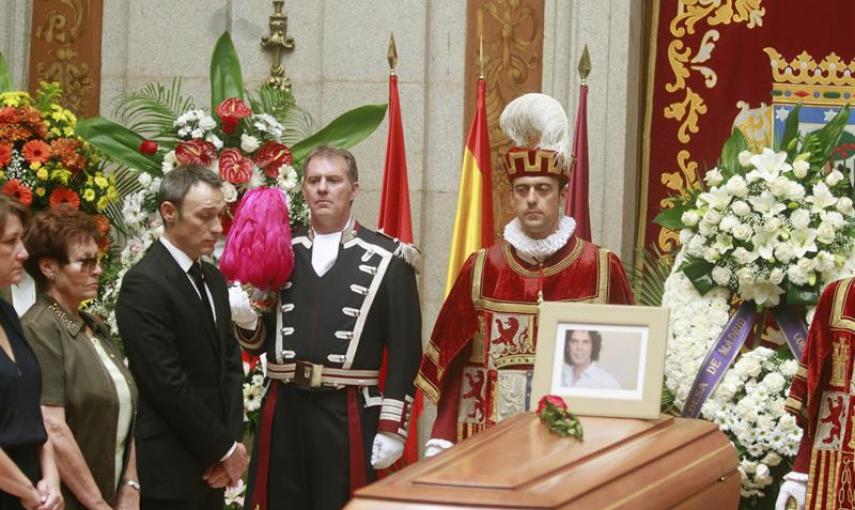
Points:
x=5 y=76
x=152 y=110
x=673 y=217
x=297 y=123
x=821 y=143
x=728 y=162
x=118 y=143
x=49 y=93
x=346 y=131
x=803 y=295
x=699 y=272
x=648 y=278
x=791 y=132
x=226 y=77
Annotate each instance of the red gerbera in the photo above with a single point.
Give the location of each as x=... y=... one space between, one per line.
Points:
x=16 y=189
x=235 y=167
x=5 y=153
x=36 y=151
x=195 y=152
x=64 y=195
x=271 y=156
x=230 y=112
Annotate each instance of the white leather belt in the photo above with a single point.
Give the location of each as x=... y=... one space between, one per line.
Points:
x=316 y=375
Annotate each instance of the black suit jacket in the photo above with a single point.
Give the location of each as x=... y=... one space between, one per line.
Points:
x=188 y=370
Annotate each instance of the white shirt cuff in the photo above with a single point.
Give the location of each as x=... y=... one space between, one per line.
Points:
x=230 y=452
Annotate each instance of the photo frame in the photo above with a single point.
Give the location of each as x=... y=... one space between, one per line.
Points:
x=603 y=360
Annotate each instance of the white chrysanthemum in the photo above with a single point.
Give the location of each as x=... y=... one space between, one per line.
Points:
x=287 y=178
x=248 y=143
x=230 y=193
x=713 y=177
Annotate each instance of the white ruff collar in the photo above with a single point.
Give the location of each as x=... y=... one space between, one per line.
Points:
x=539 y=249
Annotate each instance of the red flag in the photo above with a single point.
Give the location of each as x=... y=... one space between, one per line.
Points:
x=577 y=199
x=395 y=221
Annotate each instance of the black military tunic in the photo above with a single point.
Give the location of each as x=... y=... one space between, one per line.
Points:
x=335 y=327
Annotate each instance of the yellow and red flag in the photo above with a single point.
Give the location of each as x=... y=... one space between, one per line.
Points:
x=473 y=222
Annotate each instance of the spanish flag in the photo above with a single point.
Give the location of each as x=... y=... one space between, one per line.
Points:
x=473 y=223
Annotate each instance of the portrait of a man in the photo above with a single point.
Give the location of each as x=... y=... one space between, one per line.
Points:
x=580 y=370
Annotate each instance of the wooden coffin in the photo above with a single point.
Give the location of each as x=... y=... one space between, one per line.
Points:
x=623 y=463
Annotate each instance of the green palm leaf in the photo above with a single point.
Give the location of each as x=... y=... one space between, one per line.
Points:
x=151 y=111
x=648 y=280
x=283 y=107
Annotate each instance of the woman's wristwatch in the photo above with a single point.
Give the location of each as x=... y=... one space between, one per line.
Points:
x=133 y=484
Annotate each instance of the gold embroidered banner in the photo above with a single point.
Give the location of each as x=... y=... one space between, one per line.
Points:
x=513 y=65
x=65 y=46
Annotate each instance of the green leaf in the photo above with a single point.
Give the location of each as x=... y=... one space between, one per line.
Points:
x=344 y=132
x=152 y=110
x=824 y=140
x=791 y=129
x=802 y=295
x=118 y=143
x=5 y=76
x=729 y=160
x=648 y=279
x=698 y=271
x=226 y=77
x=672 y=218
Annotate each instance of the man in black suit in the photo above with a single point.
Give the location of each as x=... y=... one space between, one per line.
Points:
x=174 y=318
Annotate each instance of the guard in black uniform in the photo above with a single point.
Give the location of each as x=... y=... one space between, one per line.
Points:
x=353 y=294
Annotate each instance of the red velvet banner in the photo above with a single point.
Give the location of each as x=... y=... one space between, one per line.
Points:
x=708 y=66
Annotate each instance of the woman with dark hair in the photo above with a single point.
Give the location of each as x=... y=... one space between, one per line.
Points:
x=581 y=351
x=28 y=475
x=88 y=395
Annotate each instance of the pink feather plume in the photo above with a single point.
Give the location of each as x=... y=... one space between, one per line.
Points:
x=258 y=247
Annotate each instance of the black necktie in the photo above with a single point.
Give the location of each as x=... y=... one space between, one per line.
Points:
x=195 y=272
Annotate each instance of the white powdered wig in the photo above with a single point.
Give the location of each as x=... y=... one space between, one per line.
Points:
x=538 y=117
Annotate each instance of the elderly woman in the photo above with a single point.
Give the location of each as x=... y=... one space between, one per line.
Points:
x=88 y=396
x=28 y=475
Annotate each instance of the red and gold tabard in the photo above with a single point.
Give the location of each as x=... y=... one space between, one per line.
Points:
x=478 y=365
x=822 y=398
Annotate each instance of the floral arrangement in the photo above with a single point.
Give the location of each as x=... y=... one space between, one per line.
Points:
x=253 y=390
x=44 y=164
x=771 y=228
x=553 y=412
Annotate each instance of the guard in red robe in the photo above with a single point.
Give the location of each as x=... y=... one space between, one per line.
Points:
x=478 y=365
x=822 y=398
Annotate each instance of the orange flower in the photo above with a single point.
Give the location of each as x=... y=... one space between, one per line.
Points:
x=16 y=189
x=36 y=151
x=64 y=195
x=5 y=153
x=66 y=149
x=103 y=223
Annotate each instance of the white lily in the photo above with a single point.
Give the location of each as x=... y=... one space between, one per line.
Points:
x=717 y=198
x=764 y=244
x=822 y=198
x=762 y=293
x=768 y=165
x=766 y=204
x=803 y=240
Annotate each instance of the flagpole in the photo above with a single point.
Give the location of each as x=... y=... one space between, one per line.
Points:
x=392 y=54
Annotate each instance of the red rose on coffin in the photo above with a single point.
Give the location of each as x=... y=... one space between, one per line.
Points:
x=558 y=402
x=553 y=412
x=195 y=152
x=148 y=147
x=230 y=112
x=235 y=167
x=271 y=156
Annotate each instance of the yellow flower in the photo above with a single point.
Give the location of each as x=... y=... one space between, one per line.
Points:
x=103 y=202
x=2 y=175
x=42 y=174
x=101 y=181
x=60 y=174
x=69 y=131
x=89 y=194
x=40 y=191
x=55 y=131
x=57 y=114
x=112 y=194
x=35 y=165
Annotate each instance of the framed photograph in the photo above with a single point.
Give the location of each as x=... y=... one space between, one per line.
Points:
x=604 y=360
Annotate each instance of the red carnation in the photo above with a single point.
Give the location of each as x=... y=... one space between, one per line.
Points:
x=36 y=151
x=195 y=152
x=231 y=111
x=64 y=195
x=271 y=156
x=235 y=167
x=18 y=190
x=557 y=402
x=148 y=147
x=5 y=153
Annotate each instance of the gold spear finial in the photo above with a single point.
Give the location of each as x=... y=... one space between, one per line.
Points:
x=585 y=65
x=481 y=43
x=393 y=54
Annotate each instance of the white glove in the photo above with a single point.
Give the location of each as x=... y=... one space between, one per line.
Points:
x=386 y=450
x=242 y=313
x=436 y=446
x=795 y=486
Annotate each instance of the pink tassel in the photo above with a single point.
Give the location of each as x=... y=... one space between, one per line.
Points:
x=258 y=247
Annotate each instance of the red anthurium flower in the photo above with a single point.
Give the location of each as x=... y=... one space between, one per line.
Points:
x=271 y=156
x=18 y=190
x=64 y=195
x=195 y=152
x=36 y=151
x=148 y=147
x=230 y=112
x=235 y=167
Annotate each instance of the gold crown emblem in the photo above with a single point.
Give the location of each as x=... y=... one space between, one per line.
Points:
x=803 y=80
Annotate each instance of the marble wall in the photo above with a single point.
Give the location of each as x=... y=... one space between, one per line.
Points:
x=340 y=63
